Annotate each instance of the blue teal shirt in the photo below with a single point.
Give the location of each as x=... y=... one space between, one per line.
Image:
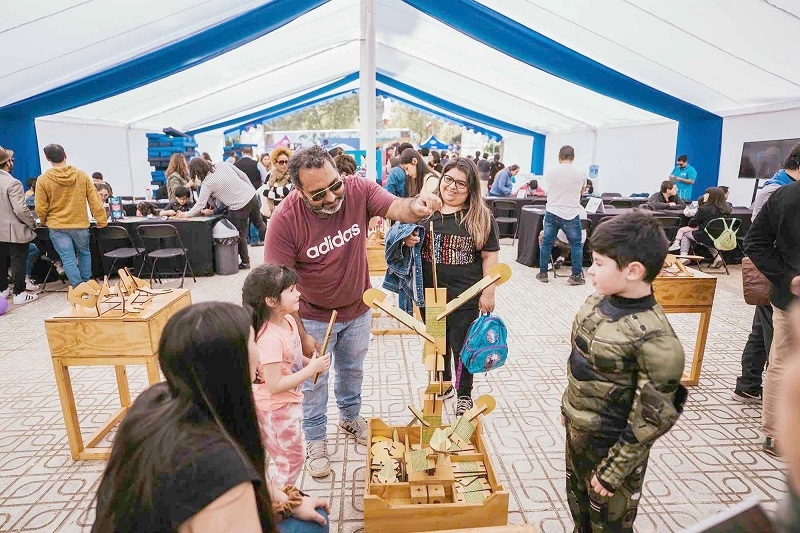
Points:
x=396 y=182
x=502 y=183
x=684 y=189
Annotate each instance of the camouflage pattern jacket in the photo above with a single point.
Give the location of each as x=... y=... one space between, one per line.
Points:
x=624 y=380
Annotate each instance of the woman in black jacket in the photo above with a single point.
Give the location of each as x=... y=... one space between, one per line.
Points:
x=714 y=206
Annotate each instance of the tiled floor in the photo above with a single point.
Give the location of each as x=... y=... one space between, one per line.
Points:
x=708 y=462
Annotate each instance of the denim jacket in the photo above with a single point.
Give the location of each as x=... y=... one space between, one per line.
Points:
x=404 y=272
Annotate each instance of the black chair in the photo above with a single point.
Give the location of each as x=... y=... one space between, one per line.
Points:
x=606 y=195
x=586 y=225
x=620 y=204
x=162 y=234
x=48 y=254
x=108 y=240
x=539 y=201
x=505 y=212
x=670 y=225
x=713 y=230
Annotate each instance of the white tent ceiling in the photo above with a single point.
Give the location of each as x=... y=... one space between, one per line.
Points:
x=700 y=52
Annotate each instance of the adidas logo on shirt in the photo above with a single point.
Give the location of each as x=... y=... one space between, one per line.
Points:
x=337 y=241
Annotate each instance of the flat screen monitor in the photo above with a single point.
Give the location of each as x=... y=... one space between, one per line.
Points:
x=762 y=159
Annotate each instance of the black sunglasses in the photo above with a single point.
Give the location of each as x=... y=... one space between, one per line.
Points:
x=320 y=195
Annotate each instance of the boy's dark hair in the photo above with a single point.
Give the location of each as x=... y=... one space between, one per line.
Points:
x=55 y=153
x=265 y=281
x=97 y=176
x=181 y=192
x=683 y=158
x=667 y=185
x=634 y=236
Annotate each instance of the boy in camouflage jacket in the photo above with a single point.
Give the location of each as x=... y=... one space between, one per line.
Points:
x=624 y=375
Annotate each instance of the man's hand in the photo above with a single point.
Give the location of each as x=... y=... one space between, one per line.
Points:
x=426 y=204
x=310 y=346
x=207 y=212
x=101 y=226
x=182 y=214
x=307 y=510
x=599 y=488
x=795 y=286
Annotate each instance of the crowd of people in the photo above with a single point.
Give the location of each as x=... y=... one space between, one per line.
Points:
x=247 y=385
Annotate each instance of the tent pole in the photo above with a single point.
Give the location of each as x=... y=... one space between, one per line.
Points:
x=366 y=91
x=130 y=160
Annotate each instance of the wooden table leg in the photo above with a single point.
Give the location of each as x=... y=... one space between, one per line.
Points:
x=153 y=374
x=68 y=408
x=122 y=385
x=699 y=348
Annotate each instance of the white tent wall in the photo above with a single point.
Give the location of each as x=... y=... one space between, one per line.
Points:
x=742 y=129
x=212 y=142
x=100 y=148
x=631 y=160
x=517 y=150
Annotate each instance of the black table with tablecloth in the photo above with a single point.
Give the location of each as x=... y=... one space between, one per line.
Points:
x=195 y=234
x=531 y=222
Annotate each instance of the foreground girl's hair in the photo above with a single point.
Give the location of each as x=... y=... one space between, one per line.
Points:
x=265 y=281
x=207 y=395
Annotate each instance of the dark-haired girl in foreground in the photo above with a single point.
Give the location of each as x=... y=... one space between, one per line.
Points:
x=188 y=456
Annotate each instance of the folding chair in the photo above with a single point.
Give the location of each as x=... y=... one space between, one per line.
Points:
x=112 y=235
x=161 y=233
x=714 y=229
x=586 y=225
x=48 y=254
x=670 y=225
x=505 y=212
x=607 y=195
x=620 y=204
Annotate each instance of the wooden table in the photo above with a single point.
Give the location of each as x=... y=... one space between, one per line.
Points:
x=683 y=294
x=77 y=337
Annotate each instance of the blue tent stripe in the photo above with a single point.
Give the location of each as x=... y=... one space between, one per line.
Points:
x=537 y=162
x=17 y=127
x=699 y=131
x=445 y=116
x=299 y=99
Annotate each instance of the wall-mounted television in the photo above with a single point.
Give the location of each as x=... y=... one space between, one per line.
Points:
x=762 y=159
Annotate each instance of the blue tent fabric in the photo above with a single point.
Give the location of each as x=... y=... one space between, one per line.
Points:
x=253 y=119
x=537 y=162
x=433 y=143
x=17 y=127
x=699 y=131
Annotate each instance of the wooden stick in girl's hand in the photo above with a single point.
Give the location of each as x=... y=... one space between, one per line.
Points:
x=325 y=341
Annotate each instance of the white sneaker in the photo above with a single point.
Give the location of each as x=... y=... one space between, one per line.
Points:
x=717 y=262
x=59 y=268
x=24 y=298
x=30 y=285
x=317 y=462
x=6 y=293
x=675 y=246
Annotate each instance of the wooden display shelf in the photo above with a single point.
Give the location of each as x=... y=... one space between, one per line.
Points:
x=689 y=294
x=78 y=337
x=388 y=507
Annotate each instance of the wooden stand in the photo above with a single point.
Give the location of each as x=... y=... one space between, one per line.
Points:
x=689 y=294
x=78 y=337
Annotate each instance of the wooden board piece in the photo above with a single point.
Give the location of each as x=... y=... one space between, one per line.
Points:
x=498 y=274
x=436 y=494
x=419 y=494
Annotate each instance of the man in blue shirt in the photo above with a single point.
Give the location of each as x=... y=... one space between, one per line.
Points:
x=503 y=181
x=684 y=175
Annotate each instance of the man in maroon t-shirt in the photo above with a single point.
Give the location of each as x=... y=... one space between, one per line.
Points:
x=320 y=231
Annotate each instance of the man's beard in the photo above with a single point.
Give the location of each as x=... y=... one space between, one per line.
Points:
x=322 y=211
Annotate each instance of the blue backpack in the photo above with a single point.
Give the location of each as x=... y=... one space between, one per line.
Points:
x=486 y=346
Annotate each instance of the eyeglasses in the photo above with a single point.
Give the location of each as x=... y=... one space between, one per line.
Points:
x=282 y=161
x=320 y=195
x=448 y=180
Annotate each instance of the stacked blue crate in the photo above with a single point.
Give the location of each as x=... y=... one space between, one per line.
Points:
x=160 y=148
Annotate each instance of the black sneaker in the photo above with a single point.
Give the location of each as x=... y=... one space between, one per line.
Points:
x=464 y=404
x=746 y=397
x=576 y=280
x=771 y=447
x=542 y=276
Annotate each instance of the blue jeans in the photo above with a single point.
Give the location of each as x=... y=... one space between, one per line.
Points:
x=348 y=346
x=294 y=525
x=33 y=255
x=572 y=229
x=69 y=243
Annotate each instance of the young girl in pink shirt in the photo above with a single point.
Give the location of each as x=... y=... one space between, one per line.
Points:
x=270 y=292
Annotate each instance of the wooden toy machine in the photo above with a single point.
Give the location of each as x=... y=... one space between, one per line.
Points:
x=428 y=475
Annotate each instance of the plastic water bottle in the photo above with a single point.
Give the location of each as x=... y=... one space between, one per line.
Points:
x=148 y=192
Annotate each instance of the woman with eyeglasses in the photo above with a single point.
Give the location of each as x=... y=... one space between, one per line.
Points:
x=188 y=455
x=464 y=245
x=278 y=185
